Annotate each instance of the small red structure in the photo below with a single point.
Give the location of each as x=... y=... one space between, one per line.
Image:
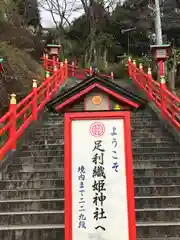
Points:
x=1 y=66
x=51 y=57
x=161 y=54
x=53 y=51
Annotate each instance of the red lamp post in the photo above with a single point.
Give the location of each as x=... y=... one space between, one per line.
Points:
x=161 y=54
x=54 y=52
x=1 y=62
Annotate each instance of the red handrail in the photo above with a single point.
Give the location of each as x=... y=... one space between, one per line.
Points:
x=72 y=69
x=167 y=102
x=20 y=116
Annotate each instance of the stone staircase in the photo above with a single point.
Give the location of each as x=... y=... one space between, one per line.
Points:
x=32 y=187
x=32 y=194
x=156 y=158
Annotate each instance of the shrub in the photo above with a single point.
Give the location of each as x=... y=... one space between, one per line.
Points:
x=119 y=69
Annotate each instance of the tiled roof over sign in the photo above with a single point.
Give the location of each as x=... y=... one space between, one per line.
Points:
x=95 y=82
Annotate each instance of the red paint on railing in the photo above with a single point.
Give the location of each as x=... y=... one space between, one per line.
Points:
x=167 y=102
x=19 y=117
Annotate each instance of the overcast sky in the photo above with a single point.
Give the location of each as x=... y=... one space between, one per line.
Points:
x=47 y=21
x=46 y=16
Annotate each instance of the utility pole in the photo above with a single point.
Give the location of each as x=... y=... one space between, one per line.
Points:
x=158 y=27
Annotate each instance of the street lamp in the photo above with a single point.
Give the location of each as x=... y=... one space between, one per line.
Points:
x=128 y=30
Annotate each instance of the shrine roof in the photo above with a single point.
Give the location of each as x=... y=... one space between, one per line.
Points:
x=95 y=82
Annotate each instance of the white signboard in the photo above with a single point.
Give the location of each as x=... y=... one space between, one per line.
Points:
x=99 y=183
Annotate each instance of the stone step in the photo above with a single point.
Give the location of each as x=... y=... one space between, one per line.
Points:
x=168 y=171
x=157 y=231
x=30 y=168
x=154 y=144
x=143 y=126
x=52 y=122
x=49 y=128
x=157 y=180
x=44 y=142
x=156 y=163
x=149 y=167
x=34 y=166
x=160 y=140
x=140 y=126
x=44 y=152
x=33 y=232
x=152 y=139
x=53 y=116
x=33 y=184
x=136 y=147
x=144 y=119
x=28 y=159
x=157 y=201
x=159 y=155
x=42 y=147
x=55 y=163
x=56 y=232
x=19 y=194
x=145 y=129
x=135 y=130
x=32 y=217
x=51 y=132
x=155 y=150
x=147 y=132
x=39 y=159
x=48 y=137
x=158 y=214
x=143 y=114
x=151 y=190
x=162 y=229
x=31 y=205
x=34 y=175
x=145 y=122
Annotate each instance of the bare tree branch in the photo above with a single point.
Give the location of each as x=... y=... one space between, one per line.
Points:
x=60 y=10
